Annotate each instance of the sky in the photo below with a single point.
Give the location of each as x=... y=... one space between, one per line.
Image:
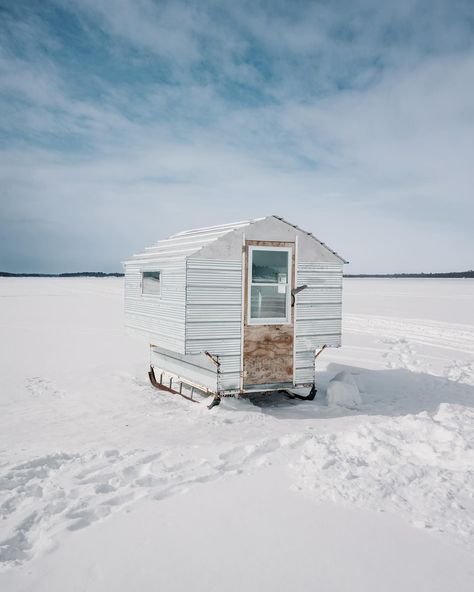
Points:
x=123 y=121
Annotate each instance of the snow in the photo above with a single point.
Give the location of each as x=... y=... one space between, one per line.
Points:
x=342 y=390
x=394 y=465
x=104 y=482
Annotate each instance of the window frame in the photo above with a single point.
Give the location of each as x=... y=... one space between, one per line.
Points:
x=275 y=320
x=146 y=294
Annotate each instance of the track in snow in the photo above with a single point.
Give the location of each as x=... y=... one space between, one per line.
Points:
x=426 y=332
x=41 y=497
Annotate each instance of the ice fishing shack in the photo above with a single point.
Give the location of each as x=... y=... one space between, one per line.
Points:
x=237 y=308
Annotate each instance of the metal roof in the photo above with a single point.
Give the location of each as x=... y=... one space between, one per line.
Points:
x=188 y=242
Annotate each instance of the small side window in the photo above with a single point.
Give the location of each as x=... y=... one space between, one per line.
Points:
x=151 y=283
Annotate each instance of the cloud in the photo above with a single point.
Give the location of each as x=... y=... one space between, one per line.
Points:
x=125 y=121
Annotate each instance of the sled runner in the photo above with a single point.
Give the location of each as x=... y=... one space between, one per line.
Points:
x=177 y=385
x=181 y=386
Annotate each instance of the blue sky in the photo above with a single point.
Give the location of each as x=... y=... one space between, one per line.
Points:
x=122 y=121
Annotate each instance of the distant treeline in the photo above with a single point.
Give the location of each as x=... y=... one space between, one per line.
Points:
x=448 y=274
x=71 y=274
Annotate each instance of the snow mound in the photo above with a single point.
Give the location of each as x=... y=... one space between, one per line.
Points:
x=343 y=391
x=418 y=466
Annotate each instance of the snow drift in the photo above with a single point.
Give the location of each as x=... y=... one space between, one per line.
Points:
x=343 y=391
x=418 y=466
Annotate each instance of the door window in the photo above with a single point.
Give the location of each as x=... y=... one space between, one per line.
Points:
x=269 y=285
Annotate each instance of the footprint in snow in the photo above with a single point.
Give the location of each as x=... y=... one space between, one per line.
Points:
x=42 y=387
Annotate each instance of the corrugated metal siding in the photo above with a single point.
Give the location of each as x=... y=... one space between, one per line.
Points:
x=198 y=329
x=304 y=359
x=318 y=314
x=222 y=346
x=220 y=278
x=161 y=320
x=202 y=294
x=320 y=295
x=223 y=312
x=305 y=375
x=316 y=327
x=318 y=310
x=213 y=314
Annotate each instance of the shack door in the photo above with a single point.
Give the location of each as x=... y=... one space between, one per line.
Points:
x=268 y=314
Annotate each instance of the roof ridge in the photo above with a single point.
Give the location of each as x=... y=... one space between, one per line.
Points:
x=204 y=229
x=312 y=236
x=191 y=242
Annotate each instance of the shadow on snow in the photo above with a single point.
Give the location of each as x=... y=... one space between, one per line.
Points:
x=389 y=392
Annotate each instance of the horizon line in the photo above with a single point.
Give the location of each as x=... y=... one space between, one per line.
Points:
x=422 y=274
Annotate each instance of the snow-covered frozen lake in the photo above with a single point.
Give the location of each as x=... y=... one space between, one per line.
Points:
x=107 y=484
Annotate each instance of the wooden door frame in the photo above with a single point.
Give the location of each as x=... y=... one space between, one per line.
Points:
x=293 y=245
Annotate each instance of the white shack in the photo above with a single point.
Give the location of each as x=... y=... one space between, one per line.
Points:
x=236 y=308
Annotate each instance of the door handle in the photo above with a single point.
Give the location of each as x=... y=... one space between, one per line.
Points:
x=299 y=289
x=295 y=291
